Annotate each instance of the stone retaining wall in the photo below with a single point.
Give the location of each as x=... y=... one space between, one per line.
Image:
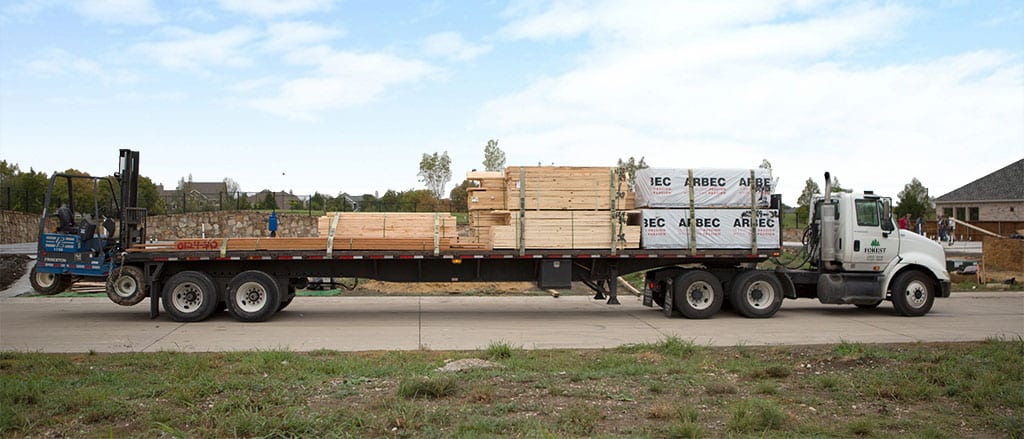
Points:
x=227 y=224
x=17 y=227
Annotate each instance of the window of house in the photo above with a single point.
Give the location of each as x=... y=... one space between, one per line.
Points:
x=972 y=214
x=961 y=213
x=947 y=212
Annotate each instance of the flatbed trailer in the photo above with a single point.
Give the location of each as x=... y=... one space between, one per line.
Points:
x=263 y=282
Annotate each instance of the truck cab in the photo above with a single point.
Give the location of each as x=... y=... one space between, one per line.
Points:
x=862 y=258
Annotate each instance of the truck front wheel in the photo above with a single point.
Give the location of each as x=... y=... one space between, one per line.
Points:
x=126 y=286
x=190 y=296
x=697 y=294
x=756 y=294
x=912 y=294
x=253 y=296
x=48 y=284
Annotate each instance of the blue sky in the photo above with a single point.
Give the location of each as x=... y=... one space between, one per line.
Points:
x=332 y=96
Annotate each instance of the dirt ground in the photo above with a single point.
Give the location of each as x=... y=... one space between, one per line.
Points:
x=12 y=267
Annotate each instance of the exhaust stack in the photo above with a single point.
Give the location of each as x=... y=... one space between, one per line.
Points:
x=828 y=225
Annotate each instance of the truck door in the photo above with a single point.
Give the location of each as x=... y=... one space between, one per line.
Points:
x=875 y=240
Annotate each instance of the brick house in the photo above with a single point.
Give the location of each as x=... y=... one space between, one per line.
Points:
x=998 y=196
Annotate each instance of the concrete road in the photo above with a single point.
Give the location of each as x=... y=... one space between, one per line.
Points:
x=441 y=323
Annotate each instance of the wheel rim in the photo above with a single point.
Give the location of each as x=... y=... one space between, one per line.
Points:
x=46 y=280
x=125 y=286
x=916 y=294
x=760 y=295
x=251 y=297
x=700 y=295
x=187 y=297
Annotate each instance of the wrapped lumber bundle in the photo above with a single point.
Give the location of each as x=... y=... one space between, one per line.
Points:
x=490 y=192
x=670 y=188
x=387 y=225
x=713 y=228
x=559 y=229
x=565 y=188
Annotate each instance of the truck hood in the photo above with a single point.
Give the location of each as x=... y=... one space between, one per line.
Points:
x=916 y=249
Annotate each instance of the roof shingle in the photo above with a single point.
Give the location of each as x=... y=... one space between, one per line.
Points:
x=1006 y=184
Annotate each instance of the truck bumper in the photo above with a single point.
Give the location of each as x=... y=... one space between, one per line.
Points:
x=944 y=286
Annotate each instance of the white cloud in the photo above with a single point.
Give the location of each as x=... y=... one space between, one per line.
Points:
x=275 y=8
x=189 y=50
x=451 y=45
x=133 y=12
x=341 y=79
x=294 y=34
x=59 y=62
x=726 y=84
x=130 y=12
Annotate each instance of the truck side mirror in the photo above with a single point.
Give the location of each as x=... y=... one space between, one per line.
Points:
x=887 y=224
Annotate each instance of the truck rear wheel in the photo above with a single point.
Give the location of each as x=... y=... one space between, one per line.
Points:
x=253 y=296
x=697 y=294
x=912 y=294
x=190 y=296
x=48 y=284
x=755 y=294
x=126 y=286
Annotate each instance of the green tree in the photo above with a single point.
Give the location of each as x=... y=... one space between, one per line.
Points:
x=459 y=196
x=149 y=197
x=913 y=199
x=269 y=202
x=494 y=157
x=811 y=190
x=627 y=170
x=436 y=172
x=836 y=187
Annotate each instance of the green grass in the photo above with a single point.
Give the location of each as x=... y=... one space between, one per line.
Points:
x=670 y=388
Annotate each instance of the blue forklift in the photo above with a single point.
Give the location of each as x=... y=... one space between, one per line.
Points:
x=80 y=242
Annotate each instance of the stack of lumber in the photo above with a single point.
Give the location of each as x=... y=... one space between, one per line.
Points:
x=490 y=192
x=388 y=225
x=565 y=208
x=565 y=188
x=556 y=229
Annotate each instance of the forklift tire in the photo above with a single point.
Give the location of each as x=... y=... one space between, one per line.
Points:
x=126 y=286
x=48 y=284
x=913 y=294
x=253 y=296
x=755 y=294
x=190 y=296
x=697 y=294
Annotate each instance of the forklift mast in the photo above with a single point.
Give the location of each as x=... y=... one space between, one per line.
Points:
x=133 y=218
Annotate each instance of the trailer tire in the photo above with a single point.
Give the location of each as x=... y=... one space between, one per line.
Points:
x=253 y=296
x=913 y=294
x=190 y=296
x=697 y=294
x=755 y=294
x=126 y=286
x=48 y=284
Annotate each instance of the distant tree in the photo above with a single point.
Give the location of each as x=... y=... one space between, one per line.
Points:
x=149 y=197
x=811 y=189
x=765 y=164
x=317 y=201
x=269 y=202
x=913 y=199
x=494 y=157
x=836 y=187
x=628 y=168
x=436 y=172
x=459 y=196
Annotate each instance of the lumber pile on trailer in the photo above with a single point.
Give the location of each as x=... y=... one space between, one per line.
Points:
x=387 y=225
x=551 y=207
x=573 y=229
x=298 y=244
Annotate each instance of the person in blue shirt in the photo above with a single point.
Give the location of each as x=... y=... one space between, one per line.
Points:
x=272 y=224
